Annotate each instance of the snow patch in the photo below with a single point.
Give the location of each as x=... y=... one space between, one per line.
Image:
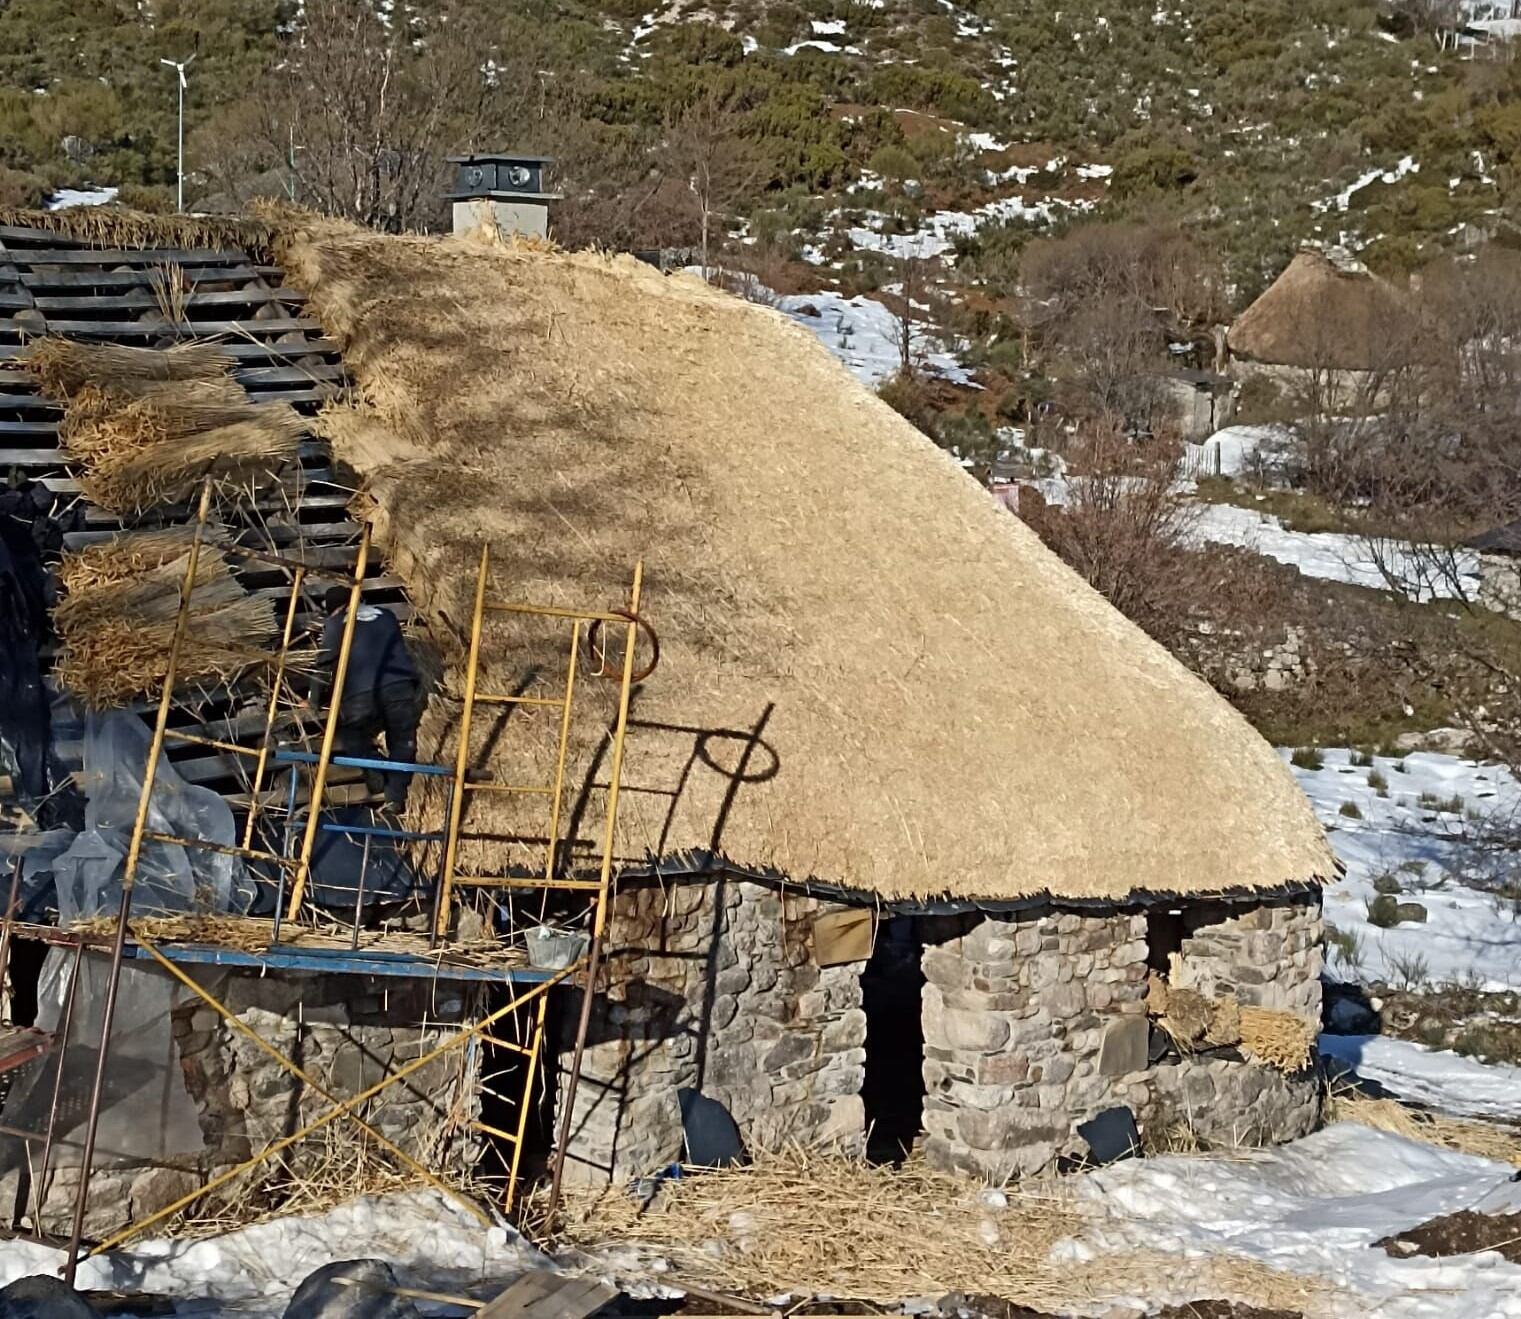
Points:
x=1436 y=1078
x=1466 y=938
x=1315 y=1207
x=1332 y=556
x=65 y=198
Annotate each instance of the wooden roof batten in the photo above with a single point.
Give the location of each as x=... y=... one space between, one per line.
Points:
x=55 y=283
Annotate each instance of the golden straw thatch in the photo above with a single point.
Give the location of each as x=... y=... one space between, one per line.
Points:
x=127 y=471
x=64 y=367
x=1320 y=316
x=871 y=675
x=117 y=628
x=116 y=226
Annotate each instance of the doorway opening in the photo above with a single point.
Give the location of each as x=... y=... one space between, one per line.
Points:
x=893 y=1089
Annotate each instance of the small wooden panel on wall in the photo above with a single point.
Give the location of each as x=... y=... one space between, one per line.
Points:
x=846 y=935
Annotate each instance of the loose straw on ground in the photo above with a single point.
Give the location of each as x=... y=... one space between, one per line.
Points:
x=814 y=1224
x=1465 y=1135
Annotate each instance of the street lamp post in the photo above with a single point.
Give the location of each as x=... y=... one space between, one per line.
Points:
x=179 y=66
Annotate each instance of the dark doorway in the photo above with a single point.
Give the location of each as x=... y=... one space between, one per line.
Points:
x=893 y=1091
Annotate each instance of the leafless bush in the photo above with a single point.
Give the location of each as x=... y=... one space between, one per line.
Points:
x=1124 y=527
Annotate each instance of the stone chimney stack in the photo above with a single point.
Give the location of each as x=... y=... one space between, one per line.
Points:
x=505 y=191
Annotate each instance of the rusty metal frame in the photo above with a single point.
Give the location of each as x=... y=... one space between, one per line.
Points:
x=340 y=1108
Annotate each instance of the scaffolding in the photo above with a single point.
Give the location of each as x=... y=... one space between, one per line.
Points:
x=523 y=1016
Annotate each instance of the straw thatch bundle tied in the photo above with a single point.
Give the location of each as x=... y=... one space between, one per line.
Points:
x=864 y=661
x=116 y=632
x=126 y=557
x=129 y=470
x=64 y=367
x=119 y=226
x=1279 y=1039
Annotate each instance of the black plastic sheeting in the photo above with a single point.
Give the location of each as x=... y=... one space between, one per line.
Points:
x=33 y=521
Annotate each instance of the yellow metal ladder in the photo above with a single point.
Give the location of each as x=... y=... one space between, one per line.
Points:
x=582 y=623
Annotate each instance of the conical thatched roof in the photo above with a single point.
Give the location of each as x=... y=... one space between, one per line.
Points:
x=870 y=674
x=1326 y=315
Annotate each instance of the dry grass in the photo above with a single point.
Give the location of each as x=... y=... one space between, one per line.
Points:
x=826 y=1225
x=1465 y=1135
x=64 y=367
x=116 y=637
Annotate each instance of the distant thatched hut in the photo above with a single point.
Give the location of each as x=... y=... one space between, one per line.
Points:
x=913 y=817
x=1325 y=316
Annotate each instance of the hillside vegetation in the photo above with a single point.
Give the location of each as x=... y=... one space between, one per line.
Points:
x=1249 y=120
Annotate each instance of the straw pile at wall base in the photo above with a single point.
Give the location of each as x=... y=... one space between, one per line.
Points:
x=117 y=628
x=827 y=1225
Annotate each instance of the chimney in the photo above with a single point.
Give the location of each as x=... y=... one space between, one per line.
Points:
x=504 y=191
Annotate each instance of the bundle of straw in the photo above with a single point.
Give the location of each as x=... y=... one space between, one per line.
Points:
x=143 y=456
x=116 y=638
x=1279 y=1039
x=64 y=367
x=127 y=556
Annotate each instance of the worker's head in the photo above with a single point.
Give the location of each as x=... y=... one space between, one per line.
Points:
x=335 y=599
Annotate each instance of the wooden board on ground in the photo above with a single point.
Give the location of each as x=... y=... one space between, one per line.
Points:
x=542 y=1294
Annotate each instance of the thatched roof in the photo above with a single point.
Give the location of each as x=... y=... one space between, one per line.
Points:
x=115 y=226
x=871 y=675
x=1321 y=314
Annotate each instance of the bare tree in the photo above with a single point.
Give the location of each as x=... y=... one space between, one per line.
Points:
x=1123 y=525
x=705 y=147
x=363 y=108
x=912 y=309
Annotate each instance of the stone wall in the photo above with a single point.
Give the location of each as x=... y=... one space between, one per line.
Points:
x=713 y=984
x=1037 y=1021
x=346 y=1032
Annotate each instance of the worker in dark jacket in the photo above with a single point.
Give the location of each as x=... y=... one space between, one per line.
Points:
x=381 y=690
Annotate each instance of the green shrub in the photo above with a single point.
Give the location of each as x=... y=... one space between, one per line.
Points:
x=1307 y=758
x=1389 y=883
x=1383 y=911
x=1361 y=759
x=1351 y=810
x=1378 y=783
x=894 y=162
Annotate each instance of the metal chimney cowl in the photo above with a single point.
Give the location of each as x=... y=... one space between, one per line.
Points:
x=503 y=190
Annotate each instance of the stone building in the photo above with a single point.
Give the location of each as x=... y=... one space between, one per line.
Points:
x=918 y=836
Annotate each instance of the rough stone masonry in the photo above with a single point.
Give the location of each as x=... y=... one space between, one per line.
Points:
x=1032 y=1022
x=347 y=1033
x=1036 y=1022
x=713 y=985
